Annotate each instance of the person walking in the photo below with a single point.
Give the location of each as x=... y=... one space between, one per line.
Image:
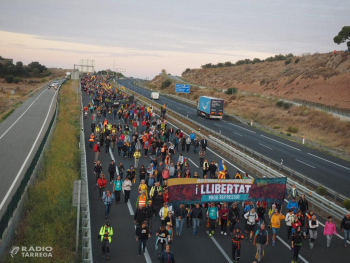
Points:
x=223 y=213
x=107 y=198
x=289 y=222
x=261 y=239
x=204 y=143
x=150 y=214
x=127 y=188
x=276 y=224
x=98 y=170
x=233 y=217
x=236 y=244
x=297 y=242
x=251 y=218
x=106 y=233
x=180 y=215
x=345 y=227
x=213 y=217
x=163 y=238
x=137 y=156
x=142 y=235
x=167 y=256
x=313 y=225
x=197 y=216
x=107 y=144
x=292 y=204
x=101 y=183
x=112 y=171
x=303 y=205
x=163 y=212
x=329 y=231
x=117 y=188
x=139 y=217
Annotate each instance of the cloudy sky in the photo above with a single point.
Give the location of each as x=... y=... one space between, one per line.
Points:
x=145 y=36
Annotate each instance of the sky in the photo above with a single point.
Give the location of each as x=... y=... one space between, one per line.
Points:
x=146 y=36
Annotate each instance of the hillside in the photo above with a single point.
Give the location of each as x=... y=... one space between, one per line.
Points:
x=320 y=78
x=323 y=78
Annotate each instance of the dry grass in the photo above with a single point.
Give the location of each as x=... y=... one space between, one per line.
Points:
x=50 y=219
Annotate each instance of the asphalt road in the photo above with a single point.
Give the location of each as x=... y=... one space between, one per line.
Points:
x=187 y=248
x=20 y=136
x=328 y=170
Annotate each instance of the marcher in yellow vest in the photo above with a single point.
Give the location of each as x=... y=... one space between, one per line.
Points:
x=113 y=131
x=97 y=129
x=109 y=126
x=142 y=200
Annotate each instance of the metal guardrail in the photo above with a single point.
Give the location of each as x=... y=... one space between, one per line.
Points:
x=267 y=161
x=35 y=165
x=316 y=200
x=310 y=104
x=85 y=209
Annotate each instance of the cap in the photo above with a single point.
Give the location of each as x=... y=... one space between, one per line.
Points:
x=150 y=201
x=108 y=224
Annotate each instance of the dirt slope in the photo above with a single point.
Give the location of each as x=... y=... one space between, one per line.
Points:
x=320 y=78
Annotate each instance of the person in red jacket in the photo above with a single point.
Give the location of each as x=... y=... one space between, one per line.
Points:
x=223 y=213
x=101 y=182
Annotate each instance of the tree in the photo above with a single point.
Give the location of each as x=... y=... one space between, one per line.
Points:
x=9 y=78
x=343 y=36
x=36 y=65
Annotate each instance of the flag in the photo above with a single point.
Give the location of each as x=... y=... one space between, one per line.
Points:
x=222 y=169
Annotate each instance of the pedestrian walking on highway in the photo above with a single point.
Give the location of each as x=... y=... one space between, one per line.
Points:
x=289 y=222
x=261 y=239
x=233 y=216
x=197 y=216
x=313 y=225
x=276 y=224
x=297 y=242
x=167 y=256
x=201 y=157
x=223 y=212
x=252 y=219
x=142 y=235
x=213 y=217
x=97 y=151
x=180 y=215
x=163 y=237
x=150 y=211
x=292 y=204
x=345 y=227
x=107 y=144
x=204 y=143
x=137 y=156
x=112 y=171
x=106 y=233
x=127 y=188
x=98 y=170
x=101 y=183
x=107 y=198
x=293 y=193
x=303 y=205
x=117 y=188
x=236 y=244
x=329 y=231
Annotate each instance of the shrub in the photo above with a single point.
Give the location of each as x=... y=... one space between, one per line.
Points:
x=17 y=80
x=346 y=203
x=231 y=91
x=276 y=127
x=292 y=129
x=279 y=103
x=187 y=70
x=296 y=61
x=288 y=134
x=288 y=61
x=287 y=105
x=7 y=114
x=321 y=190
x=195 y=97
x=166 y=83
x=43 y=80
x=9 y=78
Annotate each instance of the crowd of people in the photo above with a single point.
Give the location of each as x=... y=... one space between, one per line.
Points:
x=145 y=134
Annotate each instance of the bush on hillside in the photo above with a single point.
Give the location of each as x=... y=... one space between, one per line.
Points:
x=17 y=80
x=296 y=61
x=292 y=129
x=285 y=105
x=321 y=190
x=231 y=91
x=346 y=203
x=166 y=83
x=9 y=78
x=288 y=61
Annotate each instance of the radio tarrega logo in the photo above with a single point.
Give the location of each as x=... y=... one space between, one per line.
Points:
x=32 y=252
x=14 y=250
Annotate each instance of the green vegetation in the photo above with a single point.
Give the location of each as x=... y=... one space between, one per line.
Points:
x=288 y=61
x=110 y=72
x=297 y=60
x=50 y=219
x=321 y=190
x=231 y=91
x=248 y=61
x=166 y=83
x=7 y=114
x=292 y=129
x=285 y=105
x=17 y=80
x=346 y=203
x=34 y=69
x=343 y=36
x=187 y=70
x=9 y=78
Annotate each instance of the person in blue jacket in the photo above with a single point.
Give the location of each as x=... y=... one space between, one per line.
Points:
x=167 y=256
x=293 y=205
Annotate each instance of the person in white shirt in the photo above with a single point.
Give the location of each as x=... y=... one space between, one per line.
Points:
x=289 y=222
x=313 y=225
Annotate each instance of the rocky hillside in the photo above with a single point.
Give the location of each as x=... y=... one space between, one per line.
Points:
x=320 y=78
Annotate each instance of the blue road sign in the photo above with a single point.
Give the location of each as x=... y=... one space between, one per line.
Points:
x=182 y=88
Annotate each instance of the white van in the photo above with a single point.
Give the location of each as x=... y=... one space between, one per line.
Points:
x=155 y=95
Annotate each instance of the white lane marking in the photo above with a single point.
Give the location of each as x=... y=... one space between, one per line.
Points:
x=30 y=152
x=329 y=161
x=304 y=163
x=130 y=208
x=265 y=146
x=238 y=134
x=241 y=127
x=279 y=142
x=220 y=248
x=288 y=246
x=217 y=125
x=22 y=114
x=193 y=162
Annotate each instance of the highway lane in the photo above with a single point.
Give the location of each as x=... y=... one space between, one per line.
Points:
x=20 y=136
x=187 y=248
x=331 y=171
